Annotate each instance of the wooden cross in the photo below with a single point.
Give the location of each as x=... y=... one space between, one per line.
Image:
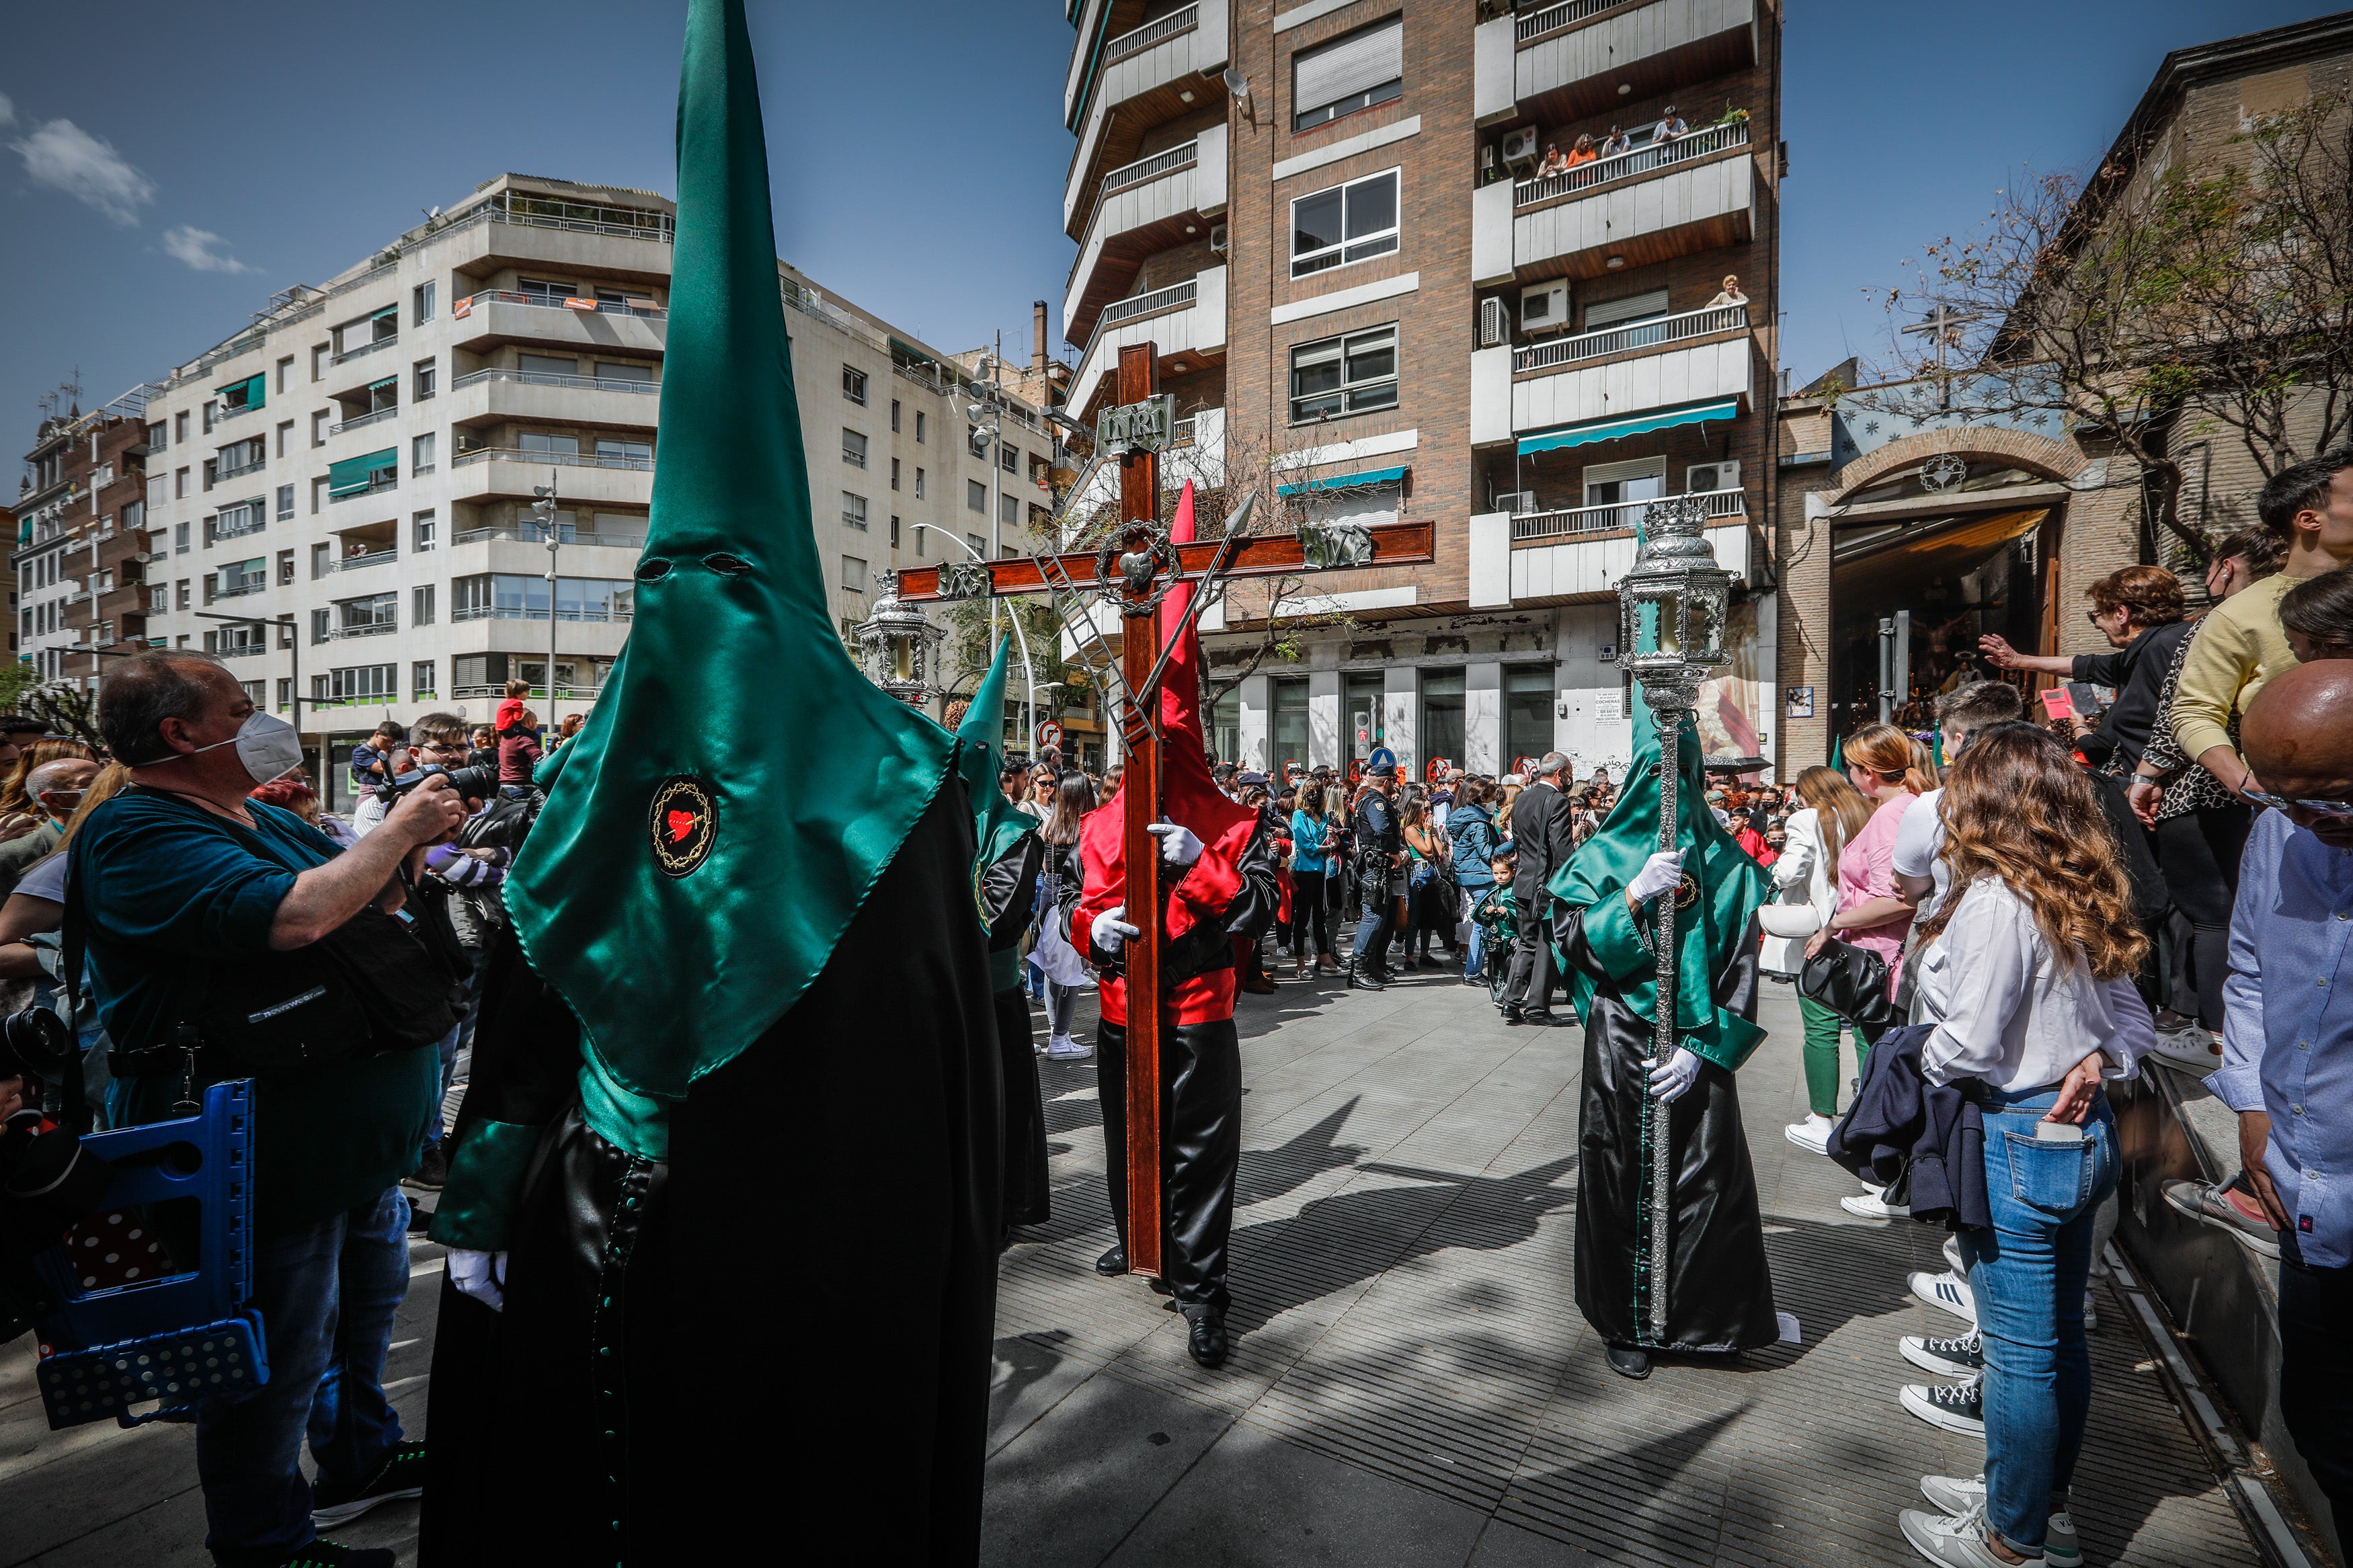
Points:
x=1148 y=631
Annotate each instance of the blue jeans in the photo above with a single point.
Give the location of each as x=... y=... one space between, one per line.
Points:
x=1473 y=967
x=448 y=1051
x=327 y=1293
x=2028 y=1271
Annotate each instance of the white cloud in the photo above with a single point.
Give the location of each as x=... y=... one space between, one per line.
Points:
x=194 y=247
x=63 y=156
x=7 y=110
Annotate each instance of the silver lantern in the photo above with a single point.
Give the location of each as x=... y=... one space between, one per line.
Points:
x=899 y=645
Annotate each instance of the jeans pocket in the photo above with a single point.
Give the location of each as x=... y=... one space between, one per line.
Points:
x=2056 y=1178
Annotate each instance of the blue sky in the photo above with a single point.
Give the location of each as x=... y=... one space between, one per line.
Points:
x=164 y=168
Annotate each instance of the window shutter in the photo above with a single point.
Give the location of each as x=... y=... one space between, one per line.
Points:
x=1349 y=65
x=1633 y=308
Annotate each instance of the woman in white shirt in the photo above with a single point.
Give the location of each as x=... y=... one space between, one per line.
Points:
x=1806 y=895
x=2026 y=976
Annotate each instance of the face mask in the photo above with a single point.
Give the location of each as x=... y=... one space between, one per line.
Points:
x=267 y=746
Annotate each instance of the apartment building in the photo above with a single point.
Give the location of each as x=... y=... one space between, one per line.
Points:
x=339 y=499
x=1371 y=293
x=78 y=596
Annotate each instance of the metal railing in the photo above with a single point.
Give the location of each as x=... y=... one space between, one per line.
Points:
x=1560 y=15
x=563 y=693
x=255 y=526
x=1145 y=170
x=561 y=302
x=255 y=467
x=1614 y=516
x=370 y=348
x=364 y=420
x=532 y=534
x=1626 y=165
x=368 y=490
x=1658 y=331
x=1151 y=32
x=510 y=613
x=540 y=378
x=364 y=629
x=1136 y=305
x=560 y=459
x=222 y=414
x=241 y=589
x=241 y=650
x=356 y=562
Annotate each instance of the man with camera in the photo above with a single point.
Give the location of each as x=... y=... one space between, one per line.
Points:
x=193 y=898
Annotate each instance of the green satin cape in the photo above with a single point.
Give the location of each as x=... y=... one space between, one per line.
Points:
x=734 y=679
x=998 y=822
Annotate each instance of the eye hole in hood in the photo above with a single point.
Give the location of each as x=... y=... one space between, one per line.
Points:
x=727 y=565
x=652 y=570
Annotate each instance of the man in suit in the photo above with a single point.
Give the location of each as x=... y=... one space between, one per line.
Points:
x=1542 y=832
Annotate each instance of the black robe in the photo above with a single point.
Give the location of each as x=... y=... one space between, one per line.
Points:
x=798 y=1351
x=1719 y=1288
x=1007 y=888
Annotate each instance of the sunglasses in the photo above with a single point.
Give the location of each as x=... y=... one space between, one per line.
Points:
x=2336 y=808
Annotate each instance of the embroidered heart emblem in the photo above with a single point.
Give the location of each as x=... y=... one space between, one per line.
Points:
x=681 y=823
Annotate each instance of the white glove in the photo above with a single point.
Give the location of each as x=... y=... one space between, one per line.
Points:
x=481 y=1274
x=1673 y=1078
x=1111 y=932
x=1661 y=873
x=1178 y=847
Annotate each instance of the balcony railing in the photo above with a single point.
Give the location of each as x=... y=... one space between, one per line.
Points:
x=363 y=629
x=563 y=693
x=252 y=525
x=1560 y=15
x=241 y=591
x=367 y=348
x=391 y=484
x=1625 y=165
x=225 y=412
x=241 y=650
x=255 y=467
x=1183 y=432
x=558 y=302
x=356 y=562
x=364 y=420
x=1656 y=333
x=1614 y=516
x=524 y=613
x=1144 y=304
x=530 y=535
x=1151 y=32
x=560 y=459
x=1145 y=170
x=537 y=378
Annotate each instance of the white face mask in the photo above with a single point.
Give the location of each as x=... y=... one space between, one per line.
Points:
x=268 y=745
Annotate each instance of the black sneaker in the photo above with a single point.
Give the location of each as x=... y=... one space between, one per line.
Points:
x=1953 y=1406
x=1961 y=1357
x=401 y=1475
x=431 y=1172
x=332 y=1554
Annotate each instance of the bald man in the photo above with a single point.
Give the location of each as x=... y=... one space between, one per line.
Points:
x=55 y=790
x=2287 y=1043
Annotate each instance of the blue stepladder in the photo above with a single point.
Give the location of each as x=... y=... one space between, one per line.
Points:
x=186 y=1334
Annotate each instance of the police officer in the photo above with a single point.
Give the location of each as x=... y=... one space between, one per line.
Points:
x=1377 y=866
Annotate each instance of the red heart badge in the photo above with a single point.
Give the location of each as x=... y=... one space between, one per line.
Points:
x=681 y=823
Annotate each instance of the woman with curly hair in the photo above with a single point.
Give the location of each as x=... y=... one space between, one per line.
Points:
x=2026 y=974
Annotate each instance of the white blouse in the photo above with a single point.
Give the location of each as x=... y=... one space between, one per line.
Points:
x=2008 y=1012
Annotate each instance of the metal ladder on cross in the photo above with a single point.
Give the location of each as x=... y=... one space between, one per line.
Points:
x=1074 y=609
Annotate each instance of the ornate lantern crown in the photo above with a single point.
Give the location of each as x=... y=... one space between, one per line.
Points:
x=898 y=644
x=1673 y=604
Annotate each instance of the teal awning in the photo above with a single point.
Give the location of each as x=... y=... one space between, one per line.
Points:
x=1635 y=424
x=355 y=474
x=256 y=389
x=388 y=310
x=1345 y=481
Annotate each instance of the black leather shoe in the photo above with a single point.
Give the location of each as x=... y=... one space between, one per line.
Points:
x=1534 y=1016
x=1360 y=980
x=1113 y=1264
x=1627 y=1361
x=1513 y=1015
x=1205 y=1337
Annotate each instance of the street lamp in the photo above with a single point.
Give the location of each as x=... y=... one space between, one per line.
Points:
x=898 y=645
x=1671 y=605
x=1020 y=637
x=544 y=512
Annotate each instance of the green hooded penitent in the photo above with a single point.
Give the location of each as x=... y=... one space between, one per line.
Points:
x=998 y=822
x=739 y=785
x=1730 y=887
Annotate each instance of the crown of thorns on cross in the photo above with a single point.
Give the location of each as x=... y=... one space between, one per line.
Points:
x=1137 y=569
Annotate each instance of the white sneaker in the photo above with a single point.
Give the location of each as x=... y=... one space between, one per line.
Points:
x=2193 y=1049
x=1953 y=1496
x=1812 y=1134
x=1949 y=1291
x=1953 y=1256
x=1869 y=1206
x=1063 y=1048
x=1956 y=1542
x=1950 y=1407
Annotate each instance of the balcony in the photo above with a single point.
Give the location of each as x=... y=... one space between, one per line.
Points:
x=1184 y=320
x=557 y=459
x=350 y=355
x=498 y=396
x=1663 y=362
x=1652 y=205
x=241 y=591
x=1134 y=82
x=527 y=533
x=523 y=613
x=1545 y=527
x=224 y=475
x=361 y=630
x=360 y=562
x=1585 y=553
x=223 y=415
x=362 y=422
x=496 y=316
x=490 y=473
x=355 y=492
x=1148 y=205
x=1581 y=57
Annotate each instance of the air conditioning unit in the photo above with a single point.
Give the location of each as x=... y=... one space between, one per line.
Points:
x=1520 y=147
x=1544 y=307
x=1495 y=322
x=1704 y=477
x=1519 y=503
x=1218 y=238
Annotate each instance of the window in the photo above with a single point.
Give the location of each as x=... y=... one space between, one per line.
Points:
x=1350 y=375
x=212 y=472
x=241 y=458
x=558 y=367
x=285 y=372
x=545 y=444
x=420 y=675
x=179 y=539
x=894 y=416
x=238 y=577
x=285 y=567
x=976 y=497
x=508 y=597
x=1527 y=710
x=1009 y=457
x=183 y=594
x=365 y=474
x=853 y=509
x=1008 y=511
x=894 y=533
x=1348 y=74
x=919 y=476
x=1641 y=479
x=420 y=304
x=423 y=531
x=894 y=473
x=424 y=380
x=1629 y=308
x=1289 y=729
x=612 y=453
x=285 y=502
x=543 y=292
x=179 y=428
x=421 y=454
x=318 y=492
x=285 y=436
x=318 y=427
x=285 y=693
x=179 y=484
x=853 y=449
x=1345 y=223
x=854 y=574
x=357 y=683
x=420 y=609
x=319 y=619
x=158 y=432
x=853 y=385
x=1443 y=719
x=235 y=521
x=979 y=545
x=919 y=425
x=318 y=361
x=633 y=374
x=367 y=616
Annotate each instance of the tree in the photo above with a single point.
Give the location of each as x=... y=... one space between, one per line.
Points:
x=2152 y=301
x=66 y=709
x=16 y=679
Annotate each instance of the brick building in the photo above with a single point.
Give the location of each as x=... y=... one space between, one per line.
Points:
x=1332 y=220
x=79 y=555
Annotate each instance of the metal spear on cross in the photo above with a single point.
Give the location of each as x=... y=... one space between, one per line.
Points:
x=1134 y=573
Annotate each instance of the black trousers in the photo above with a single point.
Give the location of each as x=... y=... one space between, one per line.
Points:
x=1530 y=987
x=2316 y=1373
x=1200 y=1148
x=1311 y=916
x=1025 y=1190
x=2198 y=854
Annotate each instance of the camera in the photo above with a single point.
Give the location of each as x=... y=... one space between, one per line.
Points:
x=472 y=784
x=36 y=1043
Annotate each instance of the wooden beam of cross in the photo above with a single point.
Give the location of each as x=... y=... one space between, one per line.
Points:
x=1148 y=631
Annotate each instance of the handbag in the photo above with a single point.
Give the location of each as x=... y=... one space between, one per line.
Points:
x=1851 y=982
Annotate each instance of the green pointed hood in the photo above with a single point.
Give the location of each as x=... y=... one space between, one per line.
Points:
x=998 y=822
x=739 y=787
x=1731 y=887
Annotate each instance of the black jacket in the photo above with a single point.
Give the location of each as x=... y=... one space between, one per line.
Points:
x=2136 y=671
x=1919 y=1140
x=1544 y=831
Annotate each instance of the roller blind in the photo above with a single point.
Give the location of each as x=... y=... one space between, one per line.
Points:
x=1349 y=65
x=1633 y=308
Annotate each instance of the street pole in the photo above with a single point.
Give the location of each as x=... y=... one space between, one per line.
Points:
x=544 y=510
x=1020 y=637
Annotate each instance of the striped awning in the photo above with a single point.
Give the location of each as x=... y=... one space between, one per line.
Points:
x=1344 y=481
x=1634 y=424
